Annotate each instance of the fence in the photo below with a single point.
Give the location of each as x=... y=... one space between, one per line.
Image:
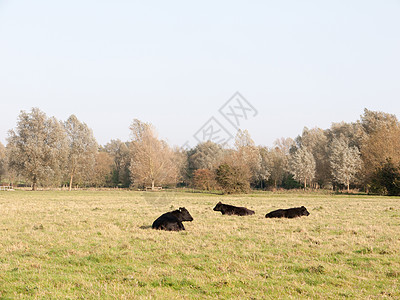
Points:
x=6 y=188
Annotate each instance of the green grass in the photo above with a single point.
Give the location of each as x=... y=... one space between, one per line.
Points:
x=92 y=244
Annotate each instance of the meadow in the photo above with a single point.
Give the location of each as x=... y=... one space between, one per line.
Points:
x=99 y=244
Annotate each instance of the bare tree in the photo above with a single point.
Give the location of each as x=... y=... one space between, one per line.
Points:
x=354 y=132
x=247 y=157
x=372 y=121
x=278 y=158
x=316 y=141
x=82 y=149
x=380 y=143
x=182 y=163
x=302 y=165
x=263 y=172
x=37 y=147
x=284 y=145
x=3 y=161
x=276 y=162
x=152 y=160
x=102 y=170
x=345 y=161
x=377 y=148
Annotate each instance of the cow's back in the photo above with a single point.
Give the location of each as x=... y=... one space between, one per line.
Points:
x=296 y=212
x=279 y=213
x=227 y=209
x=243 y=211
x=168 y=222
x=293 y=213
x=289 y=213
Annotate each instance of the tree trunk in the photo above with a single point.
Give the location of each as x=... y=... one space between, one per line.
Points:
x=34 y=184
x=70 y=182
x=305 y=184
x=348 y=187
x=152 y=185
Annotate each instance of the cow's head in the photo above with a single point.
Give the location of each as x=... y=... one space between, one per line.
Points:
x=184 y=214
x=218 y=206
x=304 y=211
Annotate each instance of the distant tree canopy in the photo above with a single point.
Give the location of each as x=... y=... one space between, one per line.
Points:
x=247 y=158
x=205 y=155
x=119 y=151
x=82 y=149
x=102 y=175
x=386 y=179
x=363 y=155
x=204 y=179
x=317 y=141
x=3 y=161
x=152 y=160
x=302 y=165
x=37 y=147
x=345 y=161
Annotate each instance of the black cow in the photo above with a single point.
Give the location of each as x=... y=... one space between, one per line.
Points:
x=172 y=221
x=227 y=209
x=288 y=213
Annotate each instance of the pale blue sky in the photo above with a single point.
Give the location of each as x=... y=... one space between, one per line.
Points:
x=175 y=63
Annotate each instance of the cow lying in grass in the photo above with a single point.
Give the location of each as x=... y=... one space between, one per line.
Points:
x=288 y=213
x=172 y=221
x=226 y=209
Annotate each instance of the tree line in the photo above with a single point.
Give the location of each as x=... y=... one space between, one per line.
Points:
x=362 y=155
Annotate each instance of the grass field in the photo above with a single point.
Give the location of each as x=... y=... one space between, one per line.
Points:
x=99 y=244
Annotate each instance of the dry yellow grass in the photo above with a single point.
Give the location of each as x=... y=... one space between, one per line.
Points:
x=89 y=244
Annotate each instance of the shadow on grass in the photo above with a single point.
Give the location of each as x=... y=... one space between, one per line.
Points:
x=145 y=227
x=345 y=193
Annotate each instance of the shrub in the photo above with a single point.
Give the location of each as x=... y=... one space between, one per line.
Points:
x=386 y=179
x=232 y=179
x=204 y=179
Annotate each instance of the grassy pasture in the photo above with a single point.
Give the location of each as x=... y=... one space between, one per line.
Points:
x=86 y=244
